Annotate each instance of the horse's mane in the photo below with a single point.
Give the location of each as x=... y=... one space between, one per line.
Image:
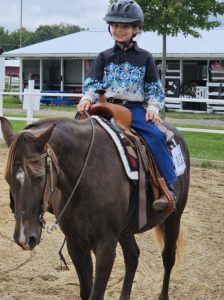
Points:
x=14 y=151
x=47 y=122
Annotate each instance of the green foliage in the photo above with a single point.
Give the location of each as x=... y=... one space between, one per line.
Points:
x=47 y=32
x=11 y=40
x=170 y=17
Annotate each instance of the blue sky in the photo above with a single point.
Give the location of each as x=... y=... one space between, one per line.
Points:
x=84 y=13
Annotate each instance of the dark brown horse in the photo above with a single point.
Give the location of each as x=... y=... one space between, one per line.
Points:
x=51 y=157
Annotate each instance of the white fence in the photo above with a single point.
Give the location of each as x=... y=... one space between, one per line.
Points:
x=33 y=99
x=212 y=105
x=11 y=84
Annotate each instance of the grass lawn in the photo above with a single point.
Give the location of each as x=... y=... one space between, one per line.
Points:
x=194 y=116
x=185 y=125
x=206 y=146
x=18 y=125
x=11 y=102
x=14 y=102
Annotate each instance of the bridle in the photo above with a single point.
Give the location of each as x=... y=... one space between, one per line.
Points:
x=52 y=172
x=51 y=180
x=51 y=176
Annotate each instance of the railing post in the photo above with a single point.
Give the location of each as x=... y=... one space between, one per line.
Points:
x=181 y=105
x=31 y=102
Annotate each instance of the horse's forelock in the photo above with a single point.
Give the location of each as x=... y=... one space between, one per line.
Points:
x=15 y=151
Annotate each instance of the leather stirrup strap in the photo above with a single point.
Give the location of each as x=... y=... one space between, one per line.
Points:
x=142 y=213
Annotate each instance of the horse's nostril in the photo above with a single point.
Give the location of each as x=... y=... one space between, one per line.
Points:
x=32 y=242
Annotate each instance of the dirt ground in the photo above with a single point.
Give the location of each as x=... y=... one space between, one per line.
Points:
x=199 y=274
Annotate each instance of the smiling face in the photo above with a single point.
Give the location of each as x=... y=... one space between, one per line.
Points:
x=123 y=33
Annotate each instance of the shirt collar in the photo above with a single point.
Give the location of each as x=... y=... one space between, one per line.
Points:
x=135 y=47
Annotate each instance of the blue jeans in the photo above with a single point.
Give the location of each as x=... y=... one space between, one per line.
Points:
x=155 y=139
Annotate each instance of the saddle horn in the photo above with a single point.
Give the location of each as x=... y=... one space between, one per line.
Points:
x=119 y=113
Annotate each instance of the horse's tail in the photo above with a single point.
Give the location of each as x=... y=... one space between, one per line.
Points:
x=180 y=241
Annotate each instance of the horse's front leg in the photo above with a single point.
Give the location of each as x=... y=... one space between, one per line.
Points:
x=171 y=229
x=82 y=261
x=105 y=253
x=131 y=254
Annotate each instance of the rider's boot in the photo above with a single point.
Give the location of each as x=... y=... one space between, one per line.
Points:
x=162 y=203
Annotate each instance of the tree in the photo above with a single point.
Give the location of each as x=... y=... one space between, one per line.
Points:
x=11 y=40
x=3 y=37
x=47 y=32
x=170 y=17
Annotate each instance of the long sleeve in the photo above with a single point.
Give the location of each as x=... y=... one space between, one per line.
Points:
x=154 y=93
x=94 y=80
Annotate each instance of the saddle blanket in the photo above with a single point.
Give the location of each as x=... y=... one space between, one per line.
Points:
x=128 y=159
x=128 y=154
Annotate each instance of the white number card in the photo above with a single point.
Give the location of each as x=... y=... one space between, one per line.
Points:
x=178 y=160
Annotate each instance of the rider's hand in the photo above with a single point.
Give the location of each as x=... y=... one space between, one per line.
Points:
x=152 y=116
x=83 y=105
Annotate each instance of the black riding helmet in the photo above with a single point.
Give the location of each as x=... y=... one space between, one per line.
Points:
x=125 y=11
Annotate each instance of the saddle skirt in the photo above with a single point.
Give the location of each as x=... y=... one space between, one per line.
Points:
x=124 y=141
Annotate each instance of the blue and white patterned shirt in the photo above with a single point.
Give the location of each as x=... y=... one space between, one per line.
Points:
x=128 y=75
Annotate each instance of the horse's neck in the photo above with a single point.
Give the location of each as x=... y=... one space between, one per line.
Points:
x=71 y=144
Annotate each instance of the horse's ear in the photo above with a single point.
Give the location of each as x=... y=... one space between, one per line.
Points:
x=44 y=137
x=7 y=131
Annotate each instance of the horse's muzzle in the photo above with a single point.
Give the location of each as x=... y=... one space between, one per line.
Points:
x=29 y=240
x=30 y=244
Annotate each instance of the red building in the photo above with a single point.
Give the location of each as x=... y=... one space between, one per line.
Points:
x=12 y=67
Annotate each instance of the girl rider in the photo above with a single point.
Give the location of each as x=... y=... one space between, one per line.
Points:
x=130 y=77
